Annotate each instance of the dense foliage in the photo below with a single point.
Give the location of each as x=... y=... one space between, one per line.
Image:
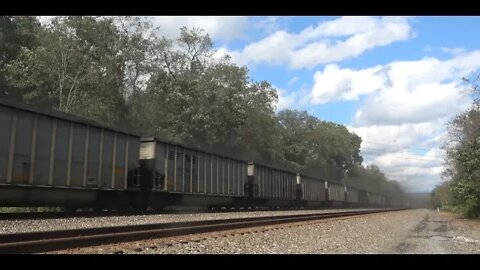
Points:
x=461 y=190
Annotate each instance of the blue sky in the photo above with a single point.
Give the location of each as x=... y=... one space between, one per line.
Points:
x=391 y=80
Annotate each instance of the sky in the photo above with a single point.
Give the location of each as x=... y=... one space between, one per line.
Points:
x=394 y=81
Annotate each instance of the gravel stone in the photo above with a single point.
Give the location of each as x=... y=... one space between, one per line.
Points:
x=32 y=225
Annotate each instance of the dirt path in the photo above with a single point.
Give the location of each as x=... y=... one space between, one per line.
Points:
x=442 y=233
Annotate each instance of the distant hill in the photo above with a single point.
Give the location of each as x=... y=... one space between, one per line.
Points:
x=420 y=200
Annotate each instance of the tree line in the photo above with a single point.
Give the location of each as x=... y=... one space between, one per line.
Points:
x=460 y=192
x=119 y=71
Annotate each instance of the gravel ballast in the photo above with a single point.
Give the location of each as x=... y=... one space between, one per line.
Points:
x=51 y=224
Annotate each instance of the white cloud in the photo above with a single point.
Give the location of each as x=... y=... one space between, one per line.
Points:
x=334 y=83
x=456 y=50
x=235 y=56
x=274 y=49
x=324 y=44
x=344 y=26
x=268 y=24
x=428 y=101
x=420 y=91
x=404 y=111
x=453 y=51
x=218 y=27
x=392 y=138
x=416 y=172
x=367 y=33
x=408 y=153
x=293 y=99
x=401 y=91
x=224 y=28
x=284 y=99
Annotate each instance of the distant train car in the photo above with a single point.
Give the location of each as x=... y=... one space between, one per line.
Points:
x=376 y=200
x=353 y=196
x=312 y=191
x=381 y=200
x=363 y=198
x=271 y=186
x=336 y=194
x=371 y=198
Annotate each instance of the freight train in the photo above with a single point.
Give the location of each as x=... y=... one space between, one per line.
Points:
x=49 y=158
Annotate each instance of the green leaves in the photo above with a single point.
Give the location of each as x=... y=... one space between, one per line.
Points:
x=462 y=164
x=17 y=34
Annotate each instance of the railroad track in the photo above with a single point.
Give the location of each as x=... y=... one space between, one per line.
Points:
x=90 y=214
x=37 y=242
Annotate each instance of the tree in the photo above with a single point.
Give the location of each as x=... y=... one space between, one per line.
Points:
x=472 y=85
x=321 y=148
x=201 y=101
x=16 y=33
x=80 y=66
x=259 y=135
x=442 y=196
x=463 y=161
